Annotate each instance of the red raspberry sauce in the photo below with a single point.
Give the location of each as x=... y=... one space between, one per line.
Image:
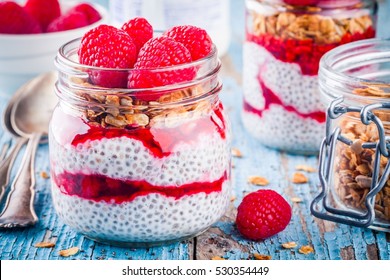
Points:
x=306 y=53
x=271 y=98
x=102 y=188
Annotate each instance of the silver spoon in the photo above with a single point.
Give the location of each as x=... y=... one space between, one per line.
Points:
x=7 y=163
x=29 y=117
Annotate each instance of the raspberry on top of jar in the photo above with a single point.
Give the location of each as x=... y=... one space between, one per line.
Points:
x=140 y=131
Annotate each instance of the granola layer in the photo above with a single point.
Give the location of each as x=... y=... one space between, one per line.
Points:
x=304 y=37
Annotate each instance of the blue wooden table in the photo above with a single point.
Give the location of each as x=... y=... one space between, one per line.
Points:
x=329 y=240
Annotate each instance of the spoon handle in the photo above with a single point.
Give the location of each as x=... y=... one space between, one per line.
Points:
x=7 y=163
x=19 y=208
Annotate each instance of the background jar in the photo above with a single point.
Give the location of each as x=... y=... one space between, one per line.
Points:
x=211 y=15
x=355 y=84
x=283 y=46
x=139 y=167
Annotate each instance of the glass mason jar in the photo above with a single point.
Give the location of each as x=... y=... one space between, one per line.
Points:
x=283 y=46
x=354 y=159
x=139 y=167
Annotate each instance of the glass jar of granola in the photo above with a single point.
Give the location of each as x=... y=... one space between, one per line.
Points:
x=283 y=46
x=139 y=167
x=354 y=159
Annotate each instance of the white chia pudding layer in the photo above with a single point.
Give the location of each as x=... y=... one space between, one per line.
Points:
x=291 y=86
x=205 y=159
x=276 y=127
x=284 y=79
x=149 y=218
x=285 y=130
x=254 y=57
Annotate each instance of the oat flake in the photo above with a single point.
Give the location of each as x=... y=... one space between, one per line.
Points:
x=69 y=252
x=305 y=168
x=236 y=152
x=296 y=199
x=258 y=181
x=299 y=178
x=289 y=245
x=44 y=245
x=44 y=175
x=261 y=257
x=218 y=258
x=307 y=249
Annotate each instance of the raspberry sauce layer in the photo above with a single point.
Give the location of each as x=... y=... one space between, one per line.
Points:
x=271 y=98
x=102 y=188
x=159 y=140
x=305 y=53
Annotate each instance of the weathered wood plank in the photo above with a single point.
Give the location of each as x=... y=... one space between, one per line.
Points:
x=383 y=246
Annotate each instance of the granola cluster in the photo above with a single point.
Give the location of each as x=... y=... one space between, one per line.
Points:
x=118 y=110
x=321 y=29
x=354 y=164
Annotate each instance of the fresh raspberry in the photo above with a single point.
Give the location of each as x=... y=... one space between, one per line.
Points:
x=140 y=30
x=161 y=52
x=157 y=53
x=44 y=11
x=109 y=47
x=302 y=2
x=15 y=20
x=262 y=214
x=195 y=39
x=68 y=21
x=90 y=12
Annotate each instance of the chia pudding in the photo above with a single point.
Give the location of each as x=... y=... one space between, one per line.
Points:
x=118 y=185
x=139 y=168
x=283 y=46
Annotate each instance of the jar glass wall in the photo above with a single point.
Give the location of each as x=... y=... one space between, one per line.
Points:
x=283 y=46
x=139 y=167
x=355 y=77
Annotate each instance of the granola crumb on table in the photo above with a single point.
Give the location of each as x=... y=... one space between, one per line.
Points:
x=299 y=178
x=258 y=181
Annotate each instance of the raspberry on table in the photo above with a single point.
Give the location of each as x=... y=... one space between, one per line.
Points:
x=140 y=30
x=90 y=12
x=156 y=53
x=68 y=21
x=262 y=214
x=108 y=47
x=195 y=39
x=15 y=20
x=44 y=11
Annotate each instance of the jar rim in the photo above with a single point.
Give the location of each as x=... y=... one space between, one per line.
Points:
x=62 y=57
x=320 y=6
x=334 y=82
x=72 y=72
